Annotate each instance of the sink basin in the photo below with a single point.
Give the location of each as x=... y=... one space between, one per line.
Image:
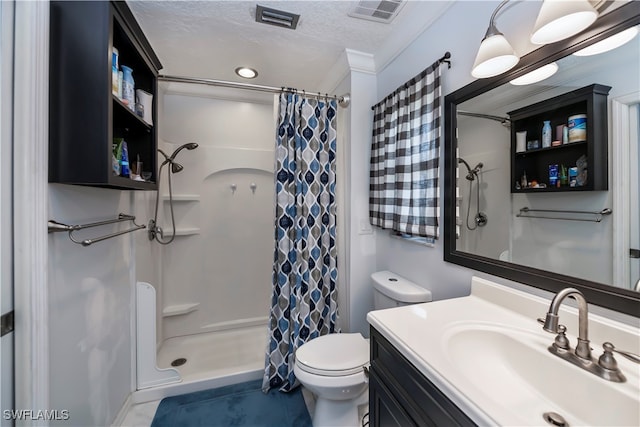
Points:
x=490 y=357
x=513 y=368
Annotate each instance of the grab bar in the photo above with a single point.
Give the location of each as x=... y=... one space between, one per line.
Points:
x=598 y=215
x=54 y=227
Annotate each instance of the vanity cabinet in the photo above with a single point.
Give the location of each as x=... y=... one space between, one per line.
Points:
x=534 y=162
x=400 y=395
x=84 y=115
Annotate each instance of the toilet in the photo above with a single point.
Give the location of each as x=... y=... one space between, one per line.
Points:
x=332 y=366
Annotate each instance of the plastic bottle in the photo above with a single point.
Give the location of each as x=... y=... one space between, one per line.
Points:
x=546 y=134
x=123 y=157
x=120 y=84
x=128 y=87
x=114 y=72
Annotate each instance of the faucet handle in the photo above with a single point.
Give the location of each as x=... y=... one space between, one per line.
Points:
x=626 y=354
x=561 y=340
x=607 y=361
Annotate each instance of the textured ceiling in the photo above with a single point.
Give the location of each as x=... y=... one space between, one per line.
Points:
x=209 y=39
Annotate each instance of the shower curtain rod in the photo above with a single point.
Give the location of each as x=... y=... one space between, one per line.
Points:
x=343 y=100
x=485 y=116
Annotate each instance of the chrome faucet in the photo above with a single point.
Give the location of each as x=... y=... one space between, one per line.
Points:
x=605 y=367
x=551 y=321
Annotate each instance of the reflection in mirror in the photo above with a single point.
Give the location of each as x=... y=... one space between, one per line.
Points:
x=568 y=246
x=570 y=183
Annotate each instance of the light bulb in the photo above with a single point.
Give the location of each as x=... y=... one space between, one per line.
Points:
x=536 y=75
x=609 y=43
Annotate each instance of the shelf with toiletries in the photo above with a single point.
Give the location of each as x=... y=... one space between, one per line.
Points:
x=98 y=136
x=125 y=115
x=560 y=144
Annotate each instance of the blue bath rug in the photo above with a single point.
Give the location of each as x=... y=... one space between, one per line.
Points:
x=236 y=405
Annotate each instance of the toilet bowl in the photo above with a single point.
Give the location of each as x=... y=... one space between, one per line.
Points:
x=333 y=366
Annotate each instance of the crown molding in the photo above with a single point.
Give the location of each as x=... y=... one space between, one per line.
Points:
x=361 y=61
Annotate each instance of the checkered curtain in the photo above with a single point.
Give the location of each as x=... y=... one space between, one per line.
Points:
x=405 y=151
x=304 y=299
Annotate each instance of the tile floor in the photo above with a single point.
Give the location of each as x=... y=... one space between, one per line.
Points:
x=141 y=415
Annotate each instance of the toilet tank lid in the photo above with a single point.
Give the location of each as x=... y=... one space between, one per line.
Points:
x=399 y=288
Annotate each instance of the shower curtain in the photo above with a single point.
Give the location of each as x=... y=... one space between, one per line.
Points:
x=304 y=298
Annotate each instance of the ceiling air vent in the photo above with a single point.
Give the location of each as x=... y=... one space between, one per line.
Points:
x=379 y=11
x=276 y=17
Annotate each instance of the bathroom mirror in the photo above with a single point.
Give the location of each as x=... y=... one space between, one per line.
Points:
x=486 y=228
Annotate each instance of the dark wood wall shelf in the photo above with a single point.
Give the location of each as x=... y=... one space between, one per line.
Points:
x=590 y=100
x=84 y=115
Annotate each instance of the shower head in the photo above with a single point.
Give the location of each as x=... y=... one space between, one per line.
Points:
x=471 y=173
x=176 y=167
x=188 y=146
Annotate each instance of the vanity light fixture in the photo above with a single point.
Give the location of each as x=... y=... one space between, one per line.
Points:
x=536 y=75
x=495 y=55
x=557 y=20
x=246 y=72
x=609 y=43
x=560 y=19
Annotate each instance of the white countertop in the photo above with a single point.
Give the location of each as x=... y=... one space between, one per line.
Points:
x=488 y=354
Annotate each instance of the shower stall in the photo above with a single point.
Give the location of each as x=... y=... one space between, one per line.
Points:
x=483 y=184
x=215 y=207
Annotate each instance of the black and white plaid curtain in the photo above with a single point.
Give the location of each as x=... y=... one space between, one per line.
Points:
x=405 y=151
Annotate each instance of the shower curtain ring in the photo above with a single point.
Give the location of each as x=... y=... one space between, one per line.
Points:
x=233 y=188
x=253 y=187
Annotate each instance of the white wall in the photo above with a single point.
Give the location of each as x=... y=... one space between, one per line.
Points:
x=460 y=31
x=90 y=298
x=343 y=123
x=362 y=244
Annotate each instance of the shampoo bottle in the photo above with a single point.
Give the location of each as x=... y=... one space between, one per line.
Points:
x=546 y=134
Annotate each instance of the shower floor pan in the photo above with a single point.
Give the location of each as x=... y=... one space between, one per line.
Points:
x=215 y=354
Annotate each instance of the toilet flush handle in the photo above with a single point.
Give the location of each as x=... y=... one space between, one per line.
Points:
x=366 y=374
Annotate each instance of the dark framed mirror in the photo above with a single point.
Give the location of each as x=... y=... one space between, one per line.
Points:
x=549 y=259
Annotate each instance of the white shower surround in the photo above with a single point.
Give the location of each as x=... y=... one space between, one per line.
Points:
x=214 y=283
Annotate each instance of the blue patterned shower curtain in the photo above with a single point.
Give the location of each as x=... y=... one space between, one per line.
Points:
x=304 y=298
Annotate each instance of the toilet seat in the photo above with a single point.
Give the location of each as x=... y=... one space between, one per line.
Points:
x=334 y=355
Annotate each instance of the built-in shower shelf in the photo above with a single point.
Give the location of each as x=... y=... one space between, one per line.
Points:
x=182 y=197
x=179 y=309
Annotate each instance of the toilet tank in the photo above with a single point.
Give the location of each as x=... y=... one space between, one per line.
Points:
x=392 y=290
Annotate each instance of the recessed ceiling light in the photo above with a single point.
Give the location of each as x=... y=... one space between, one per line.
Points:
x=246 y=72
x=609 y=43
x=536 y=75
